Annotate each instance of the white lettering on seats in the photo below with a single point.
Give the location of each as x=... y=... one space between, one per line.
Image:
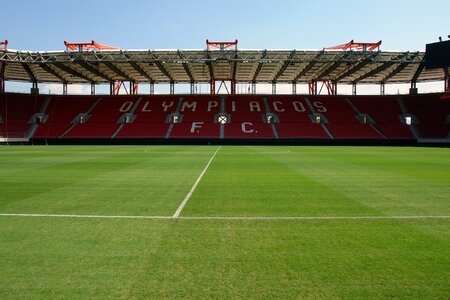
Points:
x=126 y=106
x=212 y=104
x=254 y=105
x=195 y=126
x=145 y=108
x=192 y=106
x=298 y=106
x=276 y=107
x=167 y=105
x=245 y=129
x=319 y=106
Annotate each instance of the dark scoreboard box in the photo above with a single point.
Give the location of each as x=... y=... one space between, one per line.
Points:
x=437 y=55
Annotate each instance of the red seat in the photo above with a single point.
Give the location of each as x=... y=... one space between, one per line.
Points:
x=151 y=118
x=248 y=129
x=386 y=113
x=247 y=116
x=16 y=111
x=301 y=130
x=104 y=118
x=200 y=108
x=431 y=112
x=197 y=129
x=61 y=111
x=245 y=108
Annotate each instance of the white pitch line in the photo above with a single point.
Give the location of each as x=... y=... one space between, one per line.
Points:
x=186 y=199
x=243 y=218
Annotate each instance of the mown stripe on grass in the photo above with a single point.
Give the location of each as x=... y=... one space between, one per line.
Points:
x=244 y=218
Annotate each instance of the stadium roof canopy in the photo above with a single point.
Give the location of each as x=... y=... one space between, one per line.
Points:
x=204 y=66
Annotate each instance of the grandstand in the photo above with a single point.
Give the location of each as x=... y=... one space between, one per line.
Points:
x=217 y=217
x=226 y=117
x=222 y=117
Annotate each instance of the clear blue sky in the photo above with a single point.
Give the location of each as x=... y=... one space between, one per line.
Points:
x=158 y=24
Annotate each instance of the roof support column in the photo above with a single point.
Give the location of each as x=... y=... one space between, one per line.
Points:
x=134 y=86
x=172 y=88
x=33 y=79
x=274 y=88
x=446 y=81
x=447 y=84
x=2 y=78
x=212 y=87
x=65 y=88
x=294 y=88
x=382 y=89
x=253 y=88
x=92 y=88
x=152 y=88
x=192 y=88
x=334 y=87
x=35 y=88
x=413 y=88
x=111 y=88
x=233 y=87
x=354 y=88
x=312 y=85
x=331 y=86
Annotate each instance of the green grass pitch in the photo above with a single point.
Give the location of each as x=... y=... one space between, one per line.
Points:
x=278 y=248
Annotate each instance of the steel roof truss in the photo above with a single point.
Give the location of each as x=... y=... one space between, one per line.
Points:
x=309 y=66
x=119 y=72
x=383 y=67
x=358 y=66
x=73 y=72
x=186 y=67
x=418 y=72
x=141 y=71
x=48 y=69
x=285 y=65
x=396 y=71
x=29 y=72
x=260 y=65
x=93 y=70
x=158 y=63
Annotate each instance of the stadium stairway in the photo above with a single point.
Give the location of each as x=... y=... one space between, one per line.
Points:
x=247 y=118
x=17 y=114
x=314 y=112
x=41 y=114
x=150 y=118
x=413 y=126
x=294 y=119
x=79 y=117
x=386 y=115
x=432 y=114
x=103 y=121
x=269 y=113
x=341 y=119
x=58 y=114
x=127 y=117
x=176 y=115
x=197 y=115
x=365 y=118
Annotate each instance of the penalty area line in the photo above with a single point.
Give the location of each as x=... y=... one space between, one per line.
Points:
x=243 y=218
x=188 y=196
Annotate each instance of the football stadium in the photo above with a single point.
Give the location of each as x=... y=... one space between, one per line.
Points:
x=224 y=172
